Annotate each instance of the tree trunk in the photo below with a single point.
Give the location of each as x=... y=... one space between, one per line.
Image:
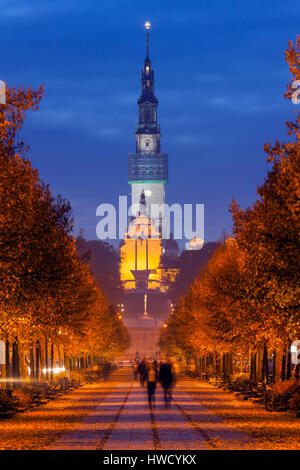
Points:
x=31 y=355
x=51 y=361
x=249 y=369
x=46 y=358
x=296 y=371
x=16 y=359
x=253 y=367
x=274 y=367
x=224 y=366
x=37 y=360
x=218 y=365
x=65 y=364
x=289 y=364
x=23 y=372
x=230 y=365
x=265 y=368
x=255 y=356
x=59 y=355
x=283 y=366
x=258 y=365
x=7 y=363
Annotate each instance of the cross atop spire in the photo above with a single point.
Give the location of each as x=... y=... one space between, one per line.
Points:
x=147 y=26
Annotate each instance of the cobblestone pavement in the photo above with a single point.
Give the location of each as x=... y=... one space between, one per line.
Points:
x=115 y=415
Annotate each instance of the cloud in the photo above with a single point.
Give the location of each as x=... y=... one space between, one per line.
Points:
x=222 y=101
x=186 y=139
x=108 y=131
x=17 y=9
x=246 y=103
x=79 y=116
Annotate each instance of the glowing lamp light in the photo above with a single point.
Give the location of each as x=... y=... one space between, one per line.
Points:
x=147 y=25
x=55 y=370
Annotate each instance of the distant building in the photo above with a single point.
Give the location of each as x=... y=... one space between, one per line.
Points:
x=195 y=244
x=144 y=336
x=2 y=92
x=170 y=247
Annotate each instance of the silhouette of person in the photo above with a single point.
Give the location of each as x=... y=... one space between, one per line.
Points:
x=166 y=379
x=151 y=377
x=135 y=370
x=142 y=370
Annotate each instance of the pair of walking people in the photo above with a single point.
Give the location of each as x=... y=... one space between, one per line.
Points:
x=166 y=378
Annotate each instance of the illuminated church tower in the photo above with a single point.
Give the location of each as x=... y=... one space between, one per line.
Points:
x=144 y=278
x=148 y=168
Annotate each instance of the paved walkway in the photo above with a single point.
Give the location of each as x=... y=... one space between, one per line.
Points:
x=115 y=415
x=123 y=421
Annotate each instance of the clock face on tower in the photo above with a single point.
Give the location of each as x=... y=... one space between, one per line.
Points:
x=147 y=144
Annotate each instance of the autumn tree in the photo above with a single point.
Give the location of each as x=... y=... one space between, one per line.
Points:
x=12 y=115
x=268 y=232
x=247 y=297
x=47 y=293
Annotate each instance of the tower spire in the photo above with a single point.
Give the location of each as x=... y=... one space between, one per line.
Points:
x=147 y=101
x=148 y=167
x=147 y=26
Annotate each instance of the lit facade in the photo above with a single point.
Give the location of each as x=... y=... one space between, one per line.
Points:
x=140 y=256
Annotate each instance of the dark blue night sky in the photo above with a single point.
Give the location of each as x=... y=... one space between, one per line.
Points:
x=220 y=77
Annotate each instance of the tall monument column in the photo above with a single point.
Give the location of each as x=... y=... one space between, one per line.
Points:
x=148 y=168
